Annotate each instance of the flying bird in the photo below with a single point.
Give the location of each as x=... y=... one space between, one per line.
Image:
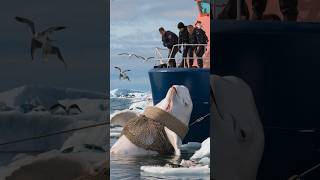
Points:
x=145 y=59
x=41 y=40
x=129 y=55
x=123 y=73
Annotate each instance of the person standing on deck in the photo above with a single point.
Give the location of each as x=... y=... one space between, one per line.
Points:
x=197 y=36
x=183 y=39
x=170 y=39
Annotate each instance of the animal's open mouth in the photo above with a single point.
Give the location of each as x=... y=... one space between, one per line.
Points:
x=175 y=89
x=170 y=103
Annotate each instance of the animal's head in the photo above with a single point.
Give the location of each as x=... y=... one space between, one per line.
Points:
x=237 y=129
x=178 y=102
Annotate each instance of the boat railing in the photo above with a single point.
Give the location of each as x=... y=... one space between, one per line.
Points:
x=165 y=60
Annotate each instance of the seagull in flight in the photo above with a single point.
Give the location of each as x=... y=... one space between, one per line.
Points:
x=128 y=54
x=41 y=40
x=145 y=59
x=123 y=73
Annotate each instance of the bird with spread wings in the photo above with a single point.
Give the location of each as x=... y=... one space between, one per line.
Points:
x=41 y=40
x=145 y=59
x=123 y=73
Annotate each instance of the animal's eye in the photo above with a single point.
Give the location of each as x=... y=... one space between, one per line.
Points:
x=243 y=134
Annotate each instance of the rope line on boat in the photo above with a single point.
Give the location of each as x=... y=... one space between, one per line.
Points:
x=309 y=170
x=298 y=177
x=199 y=120
x=300 y=130
x=23 y=151
x=52 y=134
x=76 y=129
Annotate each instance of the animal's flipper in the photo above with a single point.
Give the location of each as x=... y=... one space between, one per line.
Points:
x=56 y=51
x=35 y=44
x=174 y=140
x=52 y=29
x=122 y=117
x=26 y=21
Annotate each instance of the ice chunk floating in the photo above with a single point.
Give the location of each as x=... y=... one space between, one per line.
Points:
x=193 y=171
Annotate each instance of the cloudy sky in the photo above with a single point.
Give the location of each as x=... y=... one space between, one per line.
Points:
x=134 y=28
x=83 y=44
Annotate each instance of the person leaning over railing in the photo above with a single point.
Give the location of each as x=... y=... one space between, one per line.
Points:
x=170 y=39
x=197 y=36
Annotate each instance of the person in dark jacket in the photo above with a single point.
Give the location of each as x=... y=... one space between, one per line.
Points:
x=289 y=9
x=197 y=36
x=183 y=39
x=170 y=39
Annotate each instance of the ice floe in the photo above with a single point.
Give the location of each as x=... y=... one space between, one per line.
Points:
x=190 y=146
x=199 y=163
x=26 y=112
x=204 y=151
x=193 y=171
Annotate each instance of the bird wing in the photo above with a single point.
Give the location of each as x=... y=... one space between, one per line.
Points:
x=123 y=54
x=52 y=29
x=127 y=70
x=150 y=58
x=56 y=51
x=118 y=68
x=140 y=57
x=26 y=21
x=137 y=56
x=35 y=44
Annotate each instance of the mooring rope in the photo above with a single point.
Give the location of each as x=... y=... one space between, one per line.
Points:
x=298 y=177
x=199 y=120
x=53 y=134
x=300 y=130
x=76 y=129
x=23 y=151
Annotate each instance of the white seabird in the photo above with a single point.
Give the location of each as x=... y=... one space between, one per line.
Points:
x=123 y=73
x=128 y=54
x=42 y=40
x=145 y=59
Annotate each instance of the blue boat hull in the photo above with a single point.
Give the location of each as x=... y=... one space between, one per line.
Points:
x=197 y=81
x=280 y=61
